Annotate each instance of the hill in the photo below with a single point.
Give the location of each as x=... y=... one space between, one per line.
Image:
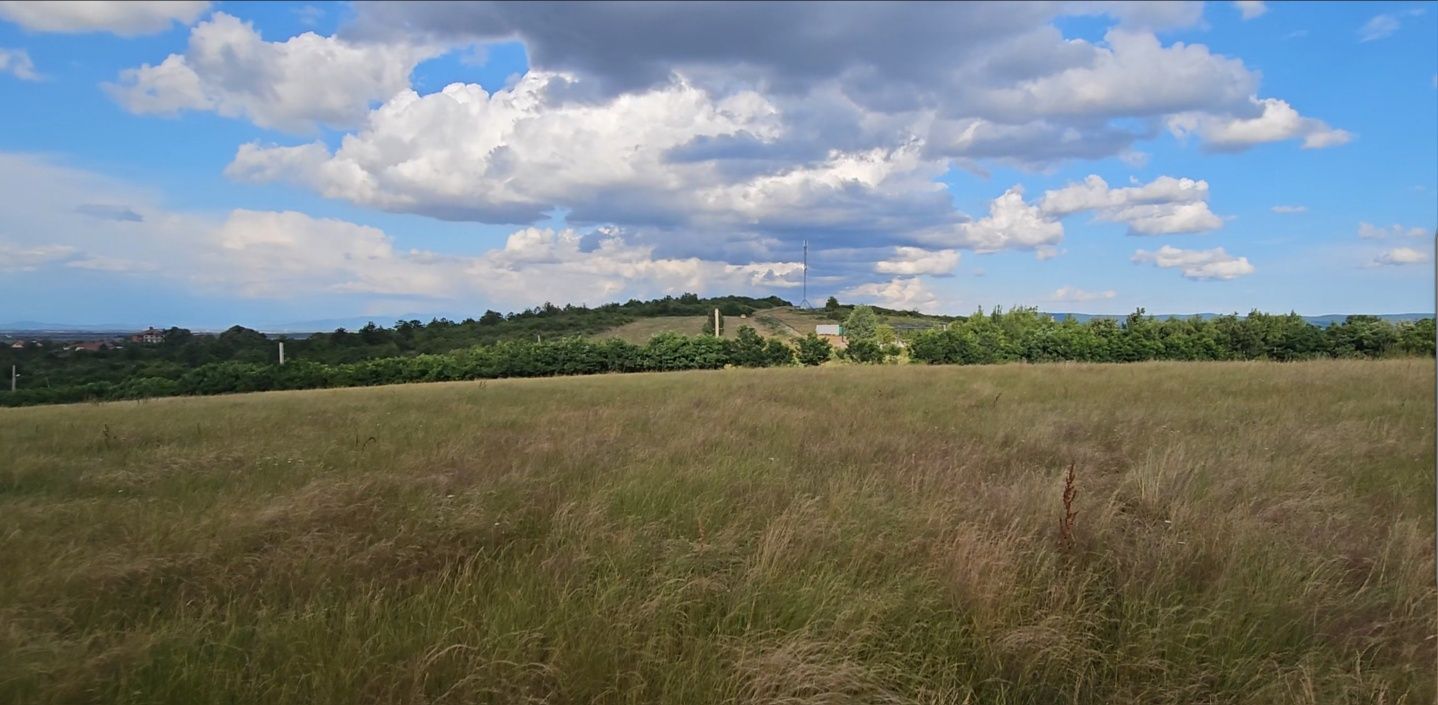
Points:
x=879 y=534
x=782 y=322
x=1325 y=320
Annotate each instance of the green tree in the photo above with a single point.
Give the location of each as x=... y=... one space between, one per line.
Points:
x=749 y=348
x=707 y=328
x=862 y=324
x=866 y=351
x=814 y=350
x=777 y=353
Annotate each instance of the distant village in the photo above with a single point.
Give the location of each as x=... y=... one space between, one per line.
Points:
x=77 y=341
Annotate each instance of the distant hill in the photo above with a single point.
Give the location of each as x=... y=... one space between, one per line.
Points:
x=1324 y=320
x=67 y=327
x=37 y=330
x=326 y=325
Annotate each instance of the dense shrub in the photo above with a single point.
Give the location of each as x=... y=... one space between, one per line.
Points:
x=814 y=350
x=1025 y=335
x=748 y=349
x=867 y=351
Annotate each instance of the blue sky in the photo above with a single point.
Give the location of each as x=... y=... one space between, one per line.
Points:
x=205 y=164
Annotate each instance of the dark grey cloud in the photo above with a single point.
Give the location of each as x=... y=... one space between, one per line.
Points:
x=1036 y=144
x=627 y=46
x=831 y=68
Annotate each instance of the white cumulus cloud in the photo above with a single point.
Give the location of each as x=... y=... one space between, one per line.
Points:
x=128 y=18
x=509 y=155
x=1401 y=256
x=1164 y=206
x=1135 y=74
x=916 y=260
x=1010 y=224
x=1276 y=121
x=1289 y=210
x=1197 y=264
x=293 y=85
x=903 y=293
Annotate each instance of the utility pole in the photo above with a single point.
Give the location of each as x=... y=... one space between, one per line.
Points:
x=716 y=323
x=282 y=352
x=13 y=376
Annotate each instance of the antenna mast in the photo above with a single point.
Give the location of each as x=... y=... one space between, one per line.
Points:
x=804 y=303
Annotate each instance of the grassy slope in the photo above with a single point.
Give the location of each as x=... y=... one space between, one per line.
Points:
x=784 y=322
x=781 y=323
x=1247 y=533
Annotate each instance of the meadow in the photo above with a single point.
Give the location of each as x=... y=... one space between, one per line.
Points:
x=1242 y=532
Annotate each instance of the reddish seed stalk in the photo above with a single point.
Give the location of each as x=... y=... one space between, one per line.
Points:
x=1066 y=523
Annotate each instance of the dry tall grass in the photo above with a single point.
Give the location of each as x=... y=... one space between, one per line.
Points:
x=1244 y=533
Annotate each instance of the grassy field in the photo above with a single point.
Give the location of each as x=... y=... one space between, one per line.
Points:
x=1245 y=533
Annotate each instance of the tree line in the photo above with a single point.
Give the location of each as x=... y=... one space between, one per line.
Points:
x=511 y=358
x=182 y=350
x=1026 y=335
x=1017 y=335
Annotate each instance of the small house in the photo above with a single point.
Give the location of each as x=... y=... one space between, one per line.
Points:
x=149 y=335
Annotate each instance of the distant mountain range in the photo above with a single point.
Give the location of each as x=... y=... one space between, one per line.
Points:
x=325 y=325
x=37 y=326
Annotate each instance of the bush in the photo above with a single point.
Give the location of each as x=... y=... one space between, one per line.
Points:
x=777 y=354
x=865 y=351
x=749 y=349
x=814 y=350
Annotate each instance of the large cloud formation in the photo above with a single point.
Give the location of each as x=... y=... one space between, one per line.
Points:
x=740 y=130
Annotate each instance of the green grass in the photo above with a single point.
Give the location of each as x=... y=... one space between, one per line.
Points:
x=1246 y=533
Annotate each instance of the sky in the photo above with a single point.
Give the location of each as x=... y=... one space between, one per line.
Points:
x=205 y=164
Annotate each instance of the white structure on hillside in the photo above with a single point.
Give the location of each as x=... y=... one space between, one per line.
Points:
x=833 y=329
